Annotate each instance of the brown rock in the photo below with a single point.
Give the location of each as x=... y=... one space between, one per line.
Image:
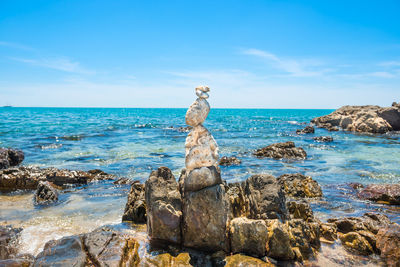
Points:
x=166 y=260
x=328 y=232
x=300 y=210
x=227 y=161
x=285 y=150
x=10 y=157
x=135 y=208
x=9 y=237
x=298 y=185
x=278 y=245
x=356 y=243
x=200 y=178
x=382 y=193
x=239 y=260
x=205 y=218
x=248 y=236
x=164 y=206
x=323 y=139
x=305 y=236
x=388 y=242
x=306 y=130
x=239 y=201
x=368 y=222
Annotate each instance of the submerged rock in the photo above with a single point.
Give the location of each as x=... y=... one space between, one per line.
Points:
x=227 y=161
x=298 y=185
x=286 y=150
x=306 y=130
x=382 y=193
x=365 y=119
x=29 y=177
x=323 y=139
x=163 y=206
x=10 y=157
x=388 y=242
x=45 y=193
x=135 y=208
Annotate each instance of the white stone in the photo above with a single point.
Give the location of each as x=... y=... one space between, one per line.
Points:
x=203 y=88
x=201 y=94
x=197 y=112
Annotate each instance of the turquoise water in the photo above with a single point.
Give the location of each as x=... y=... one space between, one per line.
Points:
x=132 y=142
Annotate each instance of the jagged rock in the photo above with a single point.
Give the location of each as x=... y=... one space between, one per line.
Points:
x=286 y=150
x=305 y=237
x=368 y=222
x=29 y=177
x=197 y=112
x=306 y=130
x=201 y=149
x=356 y=243
x=248 y=236
x=356 y=186
x=123 y=181
x=227 y=161
x=300 y=210
x=382 y=193
x=366 y=119
x=388 y=242
x=25 y=260
x=10 y=157
x=323 y=139
x=166 y=260
x=278 y=245
x=206 y=215
x=135 y=208
x=298 y=185
x=200 y=178
x=239 y=260
x=239 y=201
x=328 y=232
x=45 y=193
x=266 y=197
x=163 y=206
x=9 y=237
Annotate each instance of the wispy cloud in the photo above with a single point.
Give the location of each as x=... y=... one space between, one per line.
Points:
x=390 y=64
x=15 y=45
x=62 y=64
x=294 y=67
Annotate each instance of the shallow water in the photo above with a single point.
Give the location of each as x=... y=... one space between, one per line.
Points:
x=132 y=142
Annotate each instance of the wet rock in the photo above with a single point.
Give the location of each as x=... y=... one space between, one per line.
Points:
x=9 y=238
x=356 y=243
x=388 y=242
x=300 y=210
x=298 y=185
x=248 y=236
x=306 y=130
x=18 y=261
x=266 y=197
x=239 y=260
x=124 y=181
x=200 y=178
x=163 y=206
x=166 y=260
x=227 y=161
x=356 y=186
x=45 y=193
x=381 y=193
x=304 y=237
x=206 y=215
x=279 y=245
x=135 y=208
x=29 y=177
x=325 y=139
x=368 y=222
x=286 y=150
x=10 y=157
x=365 y=119
x=328 y=232
x=239 y=202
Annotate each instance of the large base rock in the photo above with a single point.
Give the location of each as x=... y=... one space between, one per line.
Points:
x=205 y=218
x=164 y=206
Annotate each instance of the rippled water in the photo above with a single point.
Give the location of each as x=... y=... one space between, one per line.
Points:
x=132 y=142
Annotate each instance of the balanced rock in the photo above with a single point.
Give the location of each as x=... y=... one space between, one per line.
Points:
x=286 y=150
x=197 y=112
x=163 y=206
x=200 y=178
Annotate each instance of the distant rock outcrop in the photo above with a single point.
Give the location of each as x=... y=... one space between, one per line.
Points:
x=364 y=119
x=286 y=150
x=10 y=157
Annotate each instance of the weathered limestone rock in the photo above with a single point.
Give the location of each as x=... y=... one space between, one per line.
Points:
x=200 y=178
x=205 y=218
x=227 y=161
x=305 y=237
x=328 y=232
x=10 y=157
x=197 y=112
x=239 y=201
x=367 y=119
x=285 y=150
x=8 y=241
x=266 y=197
x=239 y=260
x=368 y=222
x=306 y=130
x=164 y=206
x=323 y=139
x=381 y=193
x=298 y=185
x=135 y=208
x=388 y=242
x=166 y=260
x=248 y=236
x=300 y=210
x=278 y=245
x=45 y=193
x=356 y=243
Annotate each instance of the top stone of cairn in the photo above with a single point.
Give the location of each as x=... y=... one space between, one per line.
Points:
x=198 y=111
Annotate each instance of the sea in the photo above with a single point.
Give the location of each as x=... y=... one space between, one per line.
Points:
x=131 y=142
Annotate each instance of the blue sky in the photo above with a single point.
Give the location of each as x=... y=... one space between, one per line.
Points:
x=252 y=54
